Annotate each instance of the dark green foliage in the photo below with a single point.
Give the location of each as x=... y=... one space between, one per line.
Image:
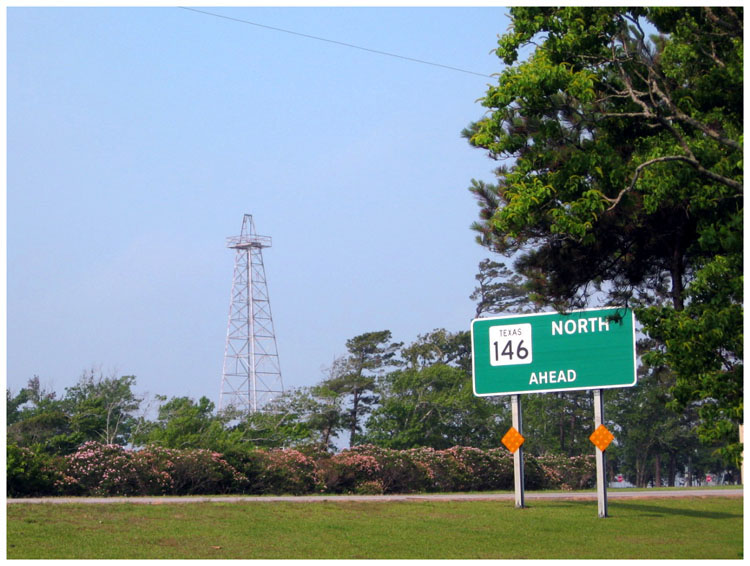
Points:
x=29 y=473
x=434 y=406
x=97 y=408
x=302 y=417
x=184 y=423
x=354 y=379
x=558 y=423
x=439 y=347
x=705 y=349
x=622 y=181
x=500 y=290
x=37 y=418
x=102 y=408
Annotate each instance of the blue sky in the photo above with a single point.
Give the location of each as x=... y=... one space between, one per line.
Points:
x=138 y=137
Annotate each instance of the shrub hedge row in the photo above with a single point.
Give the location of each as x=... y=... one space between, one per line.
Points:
x=110 y=470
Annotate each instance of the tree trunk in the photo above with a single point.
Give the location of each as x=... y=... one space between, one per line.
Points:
x=572 y=425
x=325 y=437
x=672 y=469
x=676 y=272
x=562 y=423
x=657 y=470
x=641 y=466
x=353 y=420
x=640 y=474
x=639 y=471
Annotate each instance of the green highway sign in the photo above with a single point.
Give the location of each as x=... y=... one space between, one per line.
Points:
x=536 y=353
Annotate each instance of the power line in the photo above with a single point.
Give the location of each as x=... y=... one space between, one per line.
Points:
x=336 y=42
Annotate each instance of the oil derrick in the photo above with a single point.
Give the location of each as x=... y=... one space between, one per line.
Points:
x=252 y=375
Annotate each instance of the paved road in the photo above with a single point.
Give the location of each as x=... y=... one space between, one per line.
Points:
x=619 y=494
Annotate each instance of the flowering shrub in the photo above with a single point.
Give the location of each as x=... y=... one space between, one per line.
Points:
x=108 y=469
x=288 y=471
x=444 y=471
x=100 y=469
x=351 y=471
x=534 y=474
x=199 y=471
x=251 y=463
x=562 y=472
x=486 y=469
x=154 y=467
x=398 y=472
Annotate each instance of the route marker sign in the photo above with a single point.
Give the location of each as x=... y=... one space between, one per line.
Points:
x=536 y=353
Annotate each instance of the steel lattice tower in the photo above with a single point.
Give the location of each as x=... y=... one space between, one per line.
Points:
x=252 y=374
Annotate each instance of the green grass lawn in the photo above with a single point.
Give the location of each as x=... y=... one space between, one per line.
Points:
x=699 y=528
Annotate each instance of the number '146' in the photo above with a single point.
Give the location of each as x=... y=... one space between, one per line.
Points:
x=520 y=351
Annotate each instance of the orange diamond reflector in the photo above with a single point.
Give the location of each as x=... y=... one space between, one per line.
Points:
x=513 y=440
x=601 y=437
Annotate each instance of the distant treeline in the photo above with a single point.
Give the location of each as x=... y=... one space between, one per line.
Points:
x=381 y=398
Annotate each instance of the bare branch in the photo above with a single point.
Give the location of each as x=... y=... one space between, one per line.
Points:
x=721 y=23
x=692 y=162
x=681 y=116
x=647 y=115
x=658 y=87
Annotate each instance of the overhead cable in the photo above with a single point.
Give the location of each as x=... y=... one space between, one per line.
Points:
x=344 y=44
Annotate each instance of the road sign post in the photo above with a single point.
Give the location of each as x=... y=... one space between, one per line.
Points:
x=553 y=352
x=601 y=457
x=517 y=417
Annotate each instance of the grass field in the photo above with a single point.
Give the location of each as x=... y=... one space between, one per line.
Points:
x=695 y=528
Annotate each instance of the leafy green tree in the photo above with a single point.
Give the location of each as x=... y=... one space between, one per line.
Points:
x=31 y=398
x=302 y=417
x=434 y=406
x=325 y=415
x=183 y=423
x=499 y=290
x=622 y=178
x=97 y=408
x=705 y=349
x=558 y=423
x=439 y=347
x=102 y=408
x=644 y=428
x=280 y=425
x=13 y=405
x=45 y=430
x=368 y=354
x=38 y=420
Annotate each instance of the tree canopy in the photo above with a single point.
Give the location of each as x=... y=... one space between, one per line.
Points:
x=355 y=375
x=620 y=179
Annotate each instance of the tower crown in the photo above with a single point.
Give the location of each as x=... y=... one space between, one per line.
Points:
x=248 y=238
x=245 y=242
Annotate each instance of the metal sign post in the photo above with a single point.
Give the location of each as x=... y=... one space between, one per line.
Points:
x=517 y=416
x=601 y=457
x=590 y=349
